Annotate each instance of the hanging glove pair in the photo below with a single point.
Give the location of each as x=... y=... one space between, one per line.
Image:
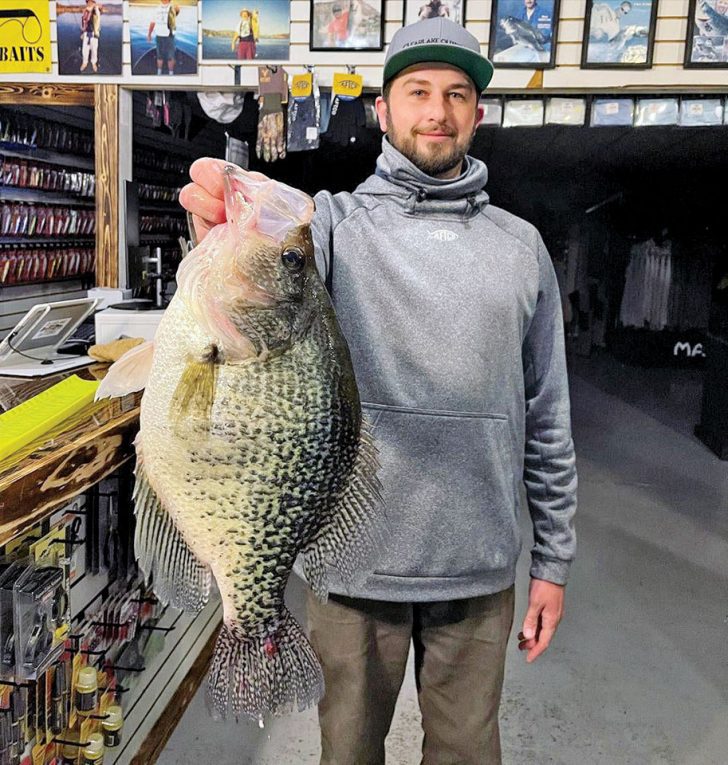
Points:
x=271 y=143
x=347 y=122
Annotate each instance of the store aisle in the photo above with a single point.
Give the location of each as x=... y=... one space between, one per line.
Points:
x=638 y=672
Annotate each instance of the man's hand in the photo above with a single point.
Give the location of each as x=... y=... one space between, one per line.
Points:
x=205 y=196
x=545 y=609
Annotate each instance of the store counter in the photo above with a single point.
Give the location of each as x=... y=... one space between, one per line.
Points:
x=74 y=456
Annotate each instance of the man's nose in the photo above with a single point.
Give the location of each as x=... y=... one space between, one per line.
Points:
x=438 y=107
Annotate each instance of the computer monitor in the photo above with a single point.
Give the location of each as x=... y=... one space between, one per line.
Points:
x=31 y=347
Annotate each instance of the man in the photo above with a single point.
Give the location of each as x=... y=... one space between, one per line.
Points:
x=338 y=28
x=433 y=9
x=453 y=317
x=606 y=22
x=538 y=19
x=90 y=31
x=164 y=24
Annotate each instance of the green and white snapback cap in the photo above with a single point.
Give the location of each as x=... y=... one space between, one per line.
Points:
x=438 y=40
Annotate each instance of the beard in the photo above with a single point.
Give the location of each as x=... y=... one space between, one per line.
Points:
x=433 y=159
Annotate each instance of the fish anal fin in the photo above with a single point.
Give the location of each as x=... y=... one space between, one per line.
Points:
x=354 y=534
x=176 y=574
x=129 y=373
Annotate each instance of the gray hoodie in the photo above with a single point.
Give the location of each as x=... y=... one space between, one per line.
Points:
x=452 y=313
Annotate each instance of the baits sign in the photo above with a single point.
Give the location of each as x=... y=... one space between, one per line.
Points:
x=25 y=36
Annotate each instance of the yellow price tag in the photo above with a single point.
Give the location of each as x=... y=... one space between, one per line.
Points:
x=346 y=84
x=302 y=85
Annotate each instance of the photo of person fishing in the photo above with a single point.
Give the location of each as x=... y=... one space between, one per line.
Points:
x=89 y=37
x=709 y=41
x=350 y=24
x=620 y=33
x=522 y=32
x=420 y=10
x=245 y=30
x=163 y=37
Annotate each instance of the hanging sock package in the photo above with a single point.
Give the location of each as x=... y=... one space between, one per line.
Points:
x=656 y=111
x=566 y=111
x=304 y=114
x=695 y=112
x=348 y=116
x=523 y=113
x=611 y=112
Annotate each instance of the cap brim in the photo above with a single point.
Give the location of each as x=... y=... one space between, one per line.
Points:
x=478 y=68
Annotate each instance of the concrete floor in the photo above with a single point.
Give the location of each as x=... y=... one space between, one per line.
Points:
x=638 y=672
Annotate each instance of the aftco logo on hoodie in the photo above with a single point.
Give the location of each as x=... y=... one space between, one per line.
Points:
x=443 y=235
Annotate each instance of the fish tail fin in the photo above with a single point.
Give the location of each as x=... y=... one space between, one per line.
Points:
x=176 y=574
x=269 y=674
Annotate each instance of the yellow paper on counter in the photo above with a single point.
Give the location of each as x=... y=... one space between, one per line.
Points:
x=31 y=419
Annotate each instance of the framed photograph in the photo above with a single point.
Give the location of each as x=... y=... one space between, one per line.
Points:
x=347 y=25
x=419 y=10
x=163 y=37
x=89 y=37
x=523 y=33
x=246 y=30
x=619 y=34
x=707 y=44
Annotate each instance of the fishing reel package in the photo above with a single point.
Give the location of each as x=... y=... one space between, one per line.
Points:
x=41 y=605
x=8 y=578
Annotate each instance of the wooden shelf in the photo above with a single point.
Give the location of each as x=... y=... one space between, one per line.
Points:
x=49 y=240
x=16 y=194
x=42 y=155
x=161 y=207
x=53 y=280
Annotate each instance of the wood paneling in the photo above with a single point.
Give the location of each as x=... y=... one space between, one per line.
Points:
x=107 y=185
x=46 y=94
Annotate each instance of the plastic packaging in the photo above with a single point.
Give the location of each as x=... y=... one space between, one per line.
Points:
x=695 y=112
x=610 y=112
x=566 y=111
x=656 y=111
x=523 y=113
x=40 y=604
x=492 y=112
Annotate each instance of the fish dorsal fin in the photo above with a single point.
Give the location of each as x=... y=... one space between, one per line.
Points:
x=129 y=373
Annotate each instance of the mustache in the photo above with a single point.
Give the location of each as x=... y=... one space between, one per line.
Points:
x=436 y=129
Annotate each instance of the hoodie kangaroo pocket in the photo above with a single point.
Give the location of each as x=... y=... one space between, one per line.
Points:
x=449 y=492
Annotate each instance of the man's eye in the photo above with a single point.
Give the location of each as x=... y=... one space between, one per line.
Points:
x=418 y=93
x=458 y=95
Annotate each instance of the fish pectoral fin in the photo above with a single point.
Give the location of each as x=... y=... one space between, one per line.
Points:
x=177 y=576
x=129 y=373
x=355 y=533
x=195 y=391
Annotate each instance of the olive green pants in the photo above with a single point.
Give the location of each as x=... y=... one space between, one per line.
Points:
x=460 y=648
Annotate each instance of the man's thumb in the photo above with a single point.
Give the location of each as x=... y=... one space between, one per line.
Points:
x=530 y=623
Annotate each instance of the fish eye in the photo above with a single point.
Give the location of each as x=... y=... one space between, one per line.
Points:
x=293 y=259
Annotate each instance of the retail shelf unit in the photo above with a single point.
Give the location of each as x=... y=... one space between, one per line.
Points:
x=162 y=155
x=47 y=206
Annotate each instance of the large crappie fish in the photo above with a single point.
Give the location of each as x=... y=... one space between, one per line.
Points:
x=251 y=448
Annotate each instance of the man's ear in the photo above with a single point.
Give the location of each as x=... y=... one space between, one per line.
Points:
x=382 y=113
x=479 y=114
